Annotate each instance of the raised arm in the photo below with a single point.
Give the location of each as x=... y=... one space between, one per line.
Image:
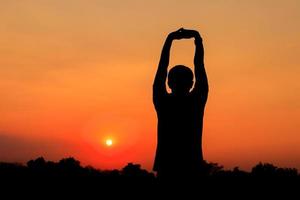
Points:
x=162 y=71
x=159 y=85
x=201 y=84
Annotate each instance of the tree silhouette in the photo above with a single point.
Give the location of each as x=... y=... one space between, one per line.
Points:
x=69 y=177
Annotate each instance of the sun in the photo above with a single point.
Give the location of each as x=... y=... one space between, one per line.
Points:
x=108 y=142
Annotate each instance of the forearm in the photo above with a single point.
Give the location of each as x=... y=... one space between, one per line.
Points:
x=200 y=73
x=162 y=70
x=199 y=52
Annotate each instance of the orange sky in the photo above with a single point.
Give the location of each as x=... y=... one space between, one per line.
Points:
x=74 y=73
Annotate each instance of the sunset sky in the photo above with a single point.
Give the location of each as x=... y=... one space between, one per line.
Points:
x=76 y=73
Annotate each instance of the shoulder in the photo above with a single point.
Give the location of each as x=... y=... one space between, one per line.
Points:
x=161 y=99
x=198 y=98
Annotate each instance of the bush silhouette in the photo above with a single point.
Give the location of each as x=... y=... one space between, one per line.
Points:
x=69 y=177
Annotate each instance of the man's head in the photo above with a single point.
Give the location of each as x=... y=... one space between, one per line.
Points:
x=180 y=79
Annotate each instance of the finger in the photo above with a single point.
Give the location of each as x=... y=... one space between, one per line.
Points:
x=181 y=29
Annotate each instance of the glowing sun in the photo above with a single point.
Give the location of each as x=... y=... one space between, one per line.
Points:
x=108 y=142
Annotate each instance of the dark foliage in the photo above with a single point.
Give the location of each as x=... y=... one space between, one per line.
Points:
x=68 y=177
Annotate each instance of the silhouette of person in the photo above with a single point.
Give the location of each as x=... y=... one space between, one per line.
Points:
x=180 y=113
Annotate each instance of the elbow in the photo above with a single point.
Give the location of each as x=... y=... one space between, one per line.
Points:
x=207 y=89
x=154 y=86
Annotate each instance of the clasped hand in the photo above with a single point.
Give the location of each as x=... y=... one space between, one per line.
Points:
x=184 y=34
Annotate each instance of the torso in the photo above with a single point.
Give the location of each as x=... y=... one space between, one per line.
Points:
x=180 y=122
